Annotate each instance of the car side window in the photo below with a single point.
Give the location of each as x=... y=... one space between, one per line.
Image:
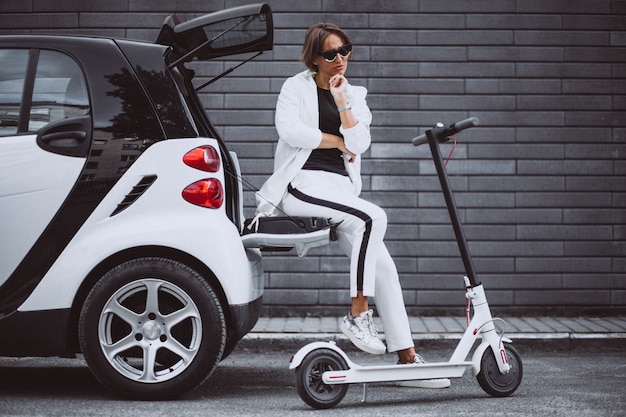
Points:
x=12 y=75
x=57 y=91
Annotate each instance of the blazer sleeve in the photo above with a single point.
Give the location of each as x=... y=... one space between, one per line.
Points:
x=358 y=138
x=297 y=116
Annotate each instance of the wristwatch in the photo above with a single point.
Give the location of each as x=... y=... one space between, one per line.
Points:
x=346 y=107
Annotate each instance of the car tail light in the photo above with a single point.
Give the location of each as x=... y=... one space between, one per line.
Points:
x=205 y=158
x=205 y=193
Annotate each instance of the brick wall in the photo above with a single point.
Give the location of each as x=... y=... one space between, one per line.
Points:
x=540 y=184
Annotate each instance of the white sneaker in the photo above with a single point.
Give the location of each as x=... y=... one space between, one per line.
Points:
x=362 y=331
x=423 y=383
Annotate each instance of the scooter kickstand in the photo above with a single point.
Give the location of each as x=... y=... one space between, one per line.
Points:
x=364 y=399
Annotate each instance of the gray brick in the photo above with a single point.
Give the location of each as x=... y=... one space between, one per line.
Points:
x=564 y=232
x=460 y=6
x=441 y=298
x=563 y=264
x=563 y=70
x=563 y=199
x=468 y=69
x=565 y=102
x=38 y=21
x=416 y=86
x=390 y=167
x=421 y=248
x=602 y=86
x=178 y=6
x=78 y=5
x=591 y=248
x=474 y=167
x=468 y=102
x=513 y=86
x=594 y=216
x=592 y=183
x=559 y=6
x=15 y=6
x=472 y=232
x=561 y=37
x=566 y=167
x=335 y=297
x=593 y=281
x=579 y=22
x=307 y=281
x=517 y=216
x=564 y=134
x=563 y=298
x=521 y=151
x=465 y=37
x=618 y=298
x=291 y=297
x=516 y=183
x=469 y=200
x=515 y=53
x=594 y=54
x=420 y=53
x=588 y=118
x=522 y=281
x=513 y=21
x=417 y=20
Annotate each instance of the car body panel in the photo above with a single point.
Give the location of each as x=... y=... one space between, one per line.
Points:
x=35 y=193
x=203 y=233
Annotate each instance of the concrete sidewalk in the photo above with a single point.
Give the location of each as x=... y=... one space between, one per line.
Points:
x=435 y=328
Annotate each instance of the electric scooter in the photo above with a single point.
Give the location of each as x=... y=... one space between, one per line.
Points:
x=324 y=371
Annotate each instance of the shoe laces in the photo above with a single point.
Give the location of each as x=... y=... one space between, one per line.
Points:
x=369 y=322
x=418 y=359
x=364 y=324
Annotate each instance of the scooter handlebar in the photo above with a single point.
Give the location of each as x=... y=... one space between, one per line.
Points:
x=446 y=132
x=465 y=124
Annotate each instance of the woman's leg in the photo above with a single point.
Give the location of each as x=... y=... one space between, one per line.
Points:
x=391 y=308
x=361 y=224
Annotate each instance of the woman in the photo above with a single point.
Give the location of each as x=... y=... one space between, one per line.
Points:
x=323 y=127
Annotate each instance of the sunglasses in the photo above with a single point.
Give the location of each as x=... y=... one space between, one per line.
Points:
x=331 y=54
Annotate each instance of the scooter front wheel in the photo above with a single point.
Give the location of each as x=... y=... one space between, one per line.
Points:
x=309 y=383
x=492 y=381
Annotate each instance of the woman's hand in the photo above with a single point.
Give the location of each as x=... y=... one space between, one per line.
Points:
x=330 y=141
x=338 y=86
x=342 y=148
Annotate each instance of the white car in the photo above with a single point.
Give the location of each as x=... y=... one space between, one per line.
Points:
x=121 y=227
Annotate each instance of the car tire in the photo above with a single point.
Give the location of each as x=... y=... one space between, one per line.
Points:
x=152 y=328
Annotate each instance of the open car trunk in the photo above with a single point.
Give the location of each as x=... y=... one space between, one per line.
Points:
x=240 y=30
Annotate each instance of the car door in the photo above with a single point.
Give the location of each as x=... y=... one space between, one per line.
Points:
x=45 y=135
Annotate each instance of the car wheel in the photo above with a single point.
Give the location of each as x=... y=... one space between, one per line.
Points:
x=152 y=328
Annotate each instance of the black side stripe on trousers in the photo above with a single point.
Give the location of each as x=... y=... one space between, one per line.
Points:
x=345 y=209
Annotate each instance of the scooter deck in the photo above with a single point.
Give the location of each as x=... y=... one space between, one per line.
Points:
x=387 y=373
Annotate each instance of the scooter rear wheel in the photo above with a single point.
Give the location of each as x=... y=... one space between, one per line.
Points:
x=492 y=381
x=309 y=383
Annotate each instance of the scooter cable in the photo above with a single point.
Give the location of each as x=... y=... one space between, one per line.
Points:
x=445 y=165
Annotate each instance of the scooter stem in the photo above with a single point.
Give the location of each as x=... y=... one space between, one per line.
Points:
x=434 y=136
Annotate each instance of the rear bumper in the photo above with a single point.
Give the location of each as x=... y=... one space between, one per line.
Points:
x=244 y=317
x=35 y=333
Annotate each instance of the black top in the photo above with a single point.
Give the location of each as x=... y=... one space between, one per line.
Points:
x=330 y=160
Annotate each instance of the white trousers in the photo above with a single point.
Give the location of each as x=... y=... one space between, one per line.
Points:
x=360 y=235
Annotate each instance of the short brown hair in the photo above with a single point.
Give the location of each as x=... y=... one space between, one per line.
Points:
x=314 y=40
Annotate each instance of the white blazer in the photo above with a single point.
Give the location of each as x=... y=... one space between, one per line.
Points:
x=297 y=123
